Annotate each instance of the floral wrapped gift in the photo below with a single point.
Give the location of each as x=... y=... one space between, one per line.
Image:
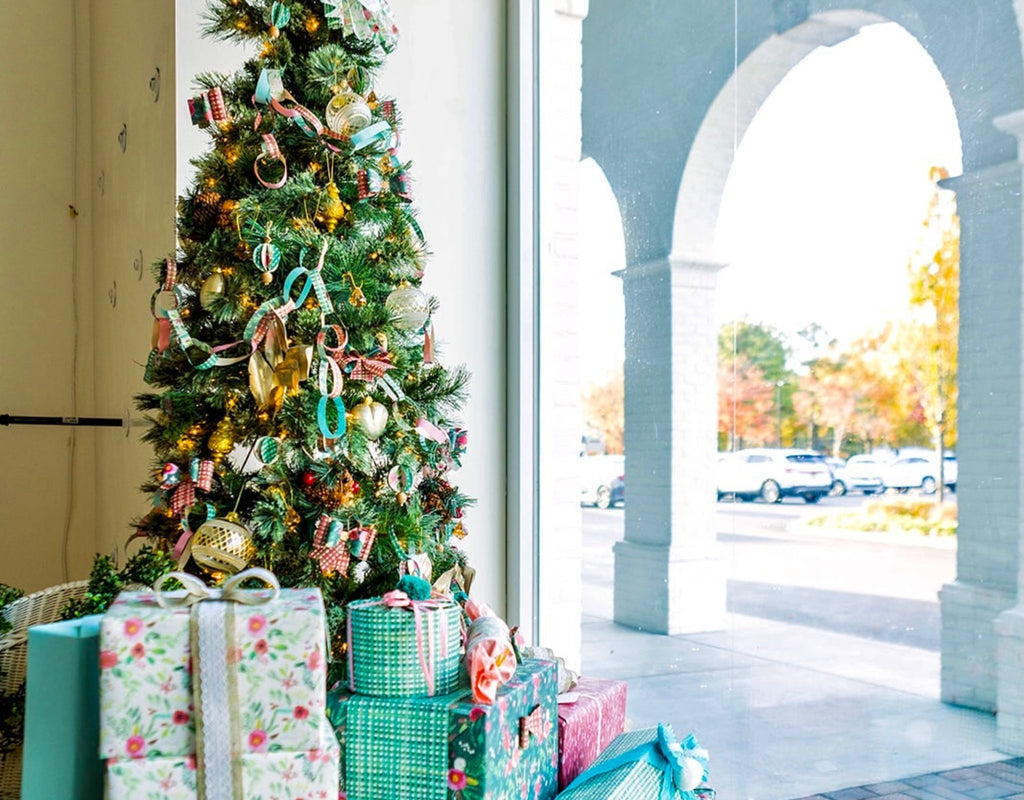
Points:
x=450 y=747
x=648 y=764
x=590 y=715
x=230 y=681
x=403 y=646
x=274 y=775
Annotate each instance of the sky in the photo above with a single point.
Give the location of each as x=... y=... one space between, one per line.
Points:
x=824 y=203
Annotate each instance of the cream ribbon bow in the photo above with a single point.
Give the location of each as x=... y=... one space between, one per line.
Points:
x=196 y=591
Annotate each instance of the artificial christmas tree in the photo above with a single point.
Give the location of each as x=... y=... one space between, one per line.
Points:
x=300 y=422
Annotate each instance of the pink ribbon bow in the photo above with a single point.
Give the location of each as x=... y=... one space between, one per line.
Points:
x=490 y=658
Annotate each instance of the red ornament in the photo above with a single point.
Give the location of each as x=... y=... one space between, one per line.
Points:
x=355 y=487
x=308 y=478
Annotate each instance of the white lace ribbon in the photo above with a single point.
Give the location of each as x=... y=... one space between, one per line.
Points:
x=211 y=628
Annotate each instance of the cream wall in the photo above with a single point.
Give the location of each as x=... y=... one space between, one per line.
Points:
x=39 y=315
x=449 y=77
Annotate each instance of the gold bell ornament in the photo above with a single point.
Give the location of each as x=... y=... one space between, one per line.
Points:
x=223 y=544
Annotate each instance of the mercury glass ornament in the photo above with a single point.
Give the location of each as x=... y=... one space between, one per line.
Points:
x=347 y=113
x=409 y=307
x=223 y=545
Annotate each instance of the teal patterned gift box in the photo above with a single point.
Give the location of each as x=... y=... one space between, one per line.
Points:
x=450 y=748
x=276 y=673
x=411 y=650
x=648 y=764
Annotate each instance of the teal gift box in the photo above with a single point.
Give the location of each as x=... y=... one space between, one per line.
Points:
x=62 y=709
x=648 y=764
x=450 y=747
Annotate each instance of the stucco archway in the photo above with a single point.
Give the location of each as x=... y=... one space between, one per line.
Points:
x=667 y=162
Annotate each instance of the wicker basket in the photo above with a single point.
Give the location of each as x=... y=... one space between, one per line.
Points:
x=35 y=609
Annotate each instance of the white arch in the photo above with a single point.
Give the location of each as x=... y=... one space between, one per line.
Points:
x=711 y=156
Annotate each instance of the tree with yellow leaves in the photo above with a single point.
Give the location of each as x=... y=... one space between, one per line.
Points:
x=928 y=345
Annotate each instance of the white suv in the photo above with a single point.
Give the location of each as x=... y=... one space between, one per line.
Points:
x=772 y=474
x=920 y=472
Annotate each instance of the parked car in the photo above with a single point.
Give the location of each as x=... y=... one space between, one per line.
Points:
x=918 y=471
x=858 y=474
x=603 y=480
x=773 y=473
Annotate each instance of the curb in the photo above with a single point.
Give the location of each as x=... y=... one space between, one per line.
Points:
x=802 y=529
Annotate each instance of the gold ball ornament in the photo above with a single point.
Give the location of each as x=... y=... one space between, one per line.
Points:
x=221 y=441
x=226 y=216
x=223 y=545
x=409 y=307
x=312 y=24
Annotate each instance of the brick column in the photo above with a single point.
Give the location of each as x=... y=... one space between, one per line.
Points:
x=668 y=578
x=561 y=421
x=1009 y=625
x=982 y=642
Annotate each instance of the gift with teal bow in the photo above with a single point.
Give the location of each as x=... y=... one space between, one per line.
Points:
x=648 y=764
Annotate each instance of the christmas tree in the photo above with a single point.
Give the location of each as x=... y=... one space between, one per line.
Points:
x=299 y=420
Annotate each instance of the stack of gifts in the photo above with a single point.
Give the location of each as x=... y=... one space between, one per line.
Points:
x=420 y=721
x=216 y=693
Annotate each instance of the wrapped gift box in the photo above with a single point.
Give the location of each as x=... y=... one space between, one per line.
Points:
x=590 y=716
x=640 y=764
x=278 y=775
x=450 y=748
x=276 y=676
x=409 y=651
x=62 y=709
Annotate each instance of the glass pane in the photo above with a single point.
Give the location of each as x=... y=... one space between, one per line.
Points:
x=750 y=286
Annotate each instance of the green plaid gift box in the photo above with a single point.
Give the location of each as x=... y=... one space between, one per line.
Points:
x=646 y=764
x=450 y=748
x=408 y=651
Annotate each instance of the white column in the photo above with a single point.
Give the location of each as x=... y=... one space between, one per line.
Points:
x=1009 y=625
x=561 y=421
x=982 y=623
x=668 y=578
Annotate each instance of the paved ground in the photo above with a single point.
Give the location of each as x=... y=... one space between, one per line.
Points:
x=827 y=676
x=1002 y=780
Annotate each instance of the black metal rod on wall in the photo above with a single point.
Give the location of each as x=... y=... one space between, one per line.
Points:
x=81 y=422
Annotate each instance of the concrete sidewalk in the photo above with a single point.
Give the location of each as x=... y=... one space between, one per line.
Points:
x=787 y=710
x=1001 y=780
x=827 y=675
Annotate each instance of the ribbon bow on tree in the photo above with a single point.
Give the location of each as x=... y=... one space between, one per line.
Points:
x=200 y=476
x=367 y=20
x=390 y=177
x=365 y=368
x=684 y=765
x=207 y=108
x=330 y=548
